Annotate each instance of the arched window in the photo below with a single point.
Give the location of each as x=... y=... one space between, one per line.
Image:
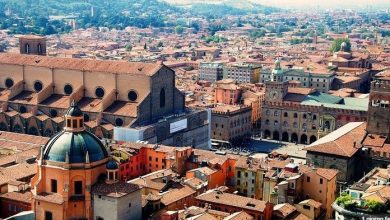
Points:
x=295 y=125
x=39 y=49
x=162 y=98
x=285 y=124
x=304 y=116
x=267 y=122
x=285 y=114
x=267 y=112
x=295 y=115
x=276 y=113
x=27 y=48
x=314 y=117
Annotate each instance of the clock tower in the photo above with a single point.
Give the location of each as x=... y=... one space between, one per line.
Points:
x=276 y=87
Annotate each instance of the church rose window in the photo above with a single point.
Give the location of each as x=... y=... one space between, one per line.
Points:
x=38 y=86
x=68 y=89
x=99 y=92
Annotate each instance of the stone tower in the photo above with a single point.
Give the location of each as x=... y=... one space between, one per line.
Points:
x=378 y=121
x=32 y=44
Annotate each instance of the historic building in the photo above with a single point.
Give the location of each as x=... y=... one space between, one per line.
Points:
x=74 y=166
x=321 y=80
x=302 y=115
x=138 y=100
x=358 y=147
x=32 y=44
x=343 y=58
x=211 y=71
x=242 y=73
x=231 y=122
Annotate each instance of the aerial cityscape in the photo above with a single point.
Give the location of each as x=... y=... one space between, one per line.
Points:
x=194 y=110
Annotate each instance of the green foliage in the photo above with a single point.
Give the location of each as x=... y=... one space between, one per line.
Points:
x=128 y=47
x=336 y=45
x=179 y=29
x=32 y=16
x=214 y=39
x=374 y=206
x=301 y=40
x=344 y=198
x=257 y=34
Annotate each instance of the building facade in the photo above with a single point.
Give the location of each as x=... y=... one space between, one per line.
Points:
x=303 y=115
x=37 y=90
x=229 y=123
x=210 y=71
x=242 y=73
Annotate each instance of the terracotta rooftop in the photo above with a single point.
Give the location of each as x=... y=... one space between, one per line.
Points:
x=116 y=190
x=50 y=197
x=284 y=209
x=245 y=203
x=25 y=197
x=345 y=141
x=176 y=194
x=311 y=203
x=119 y=67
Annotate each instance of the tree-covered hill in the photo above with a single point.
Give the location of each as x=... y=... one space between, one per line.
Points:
x=33 y=15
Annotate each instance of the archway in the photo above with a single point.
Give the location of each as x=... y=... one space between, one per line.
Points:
x=275 y=135
x=313 y=139
x=267 y=134
x=285 y=137
x=294 y=138
x=303 y=139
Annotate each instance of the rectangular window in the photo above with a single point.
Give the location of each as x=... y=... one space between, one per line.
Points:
x=48 y=215
x=308 y=179
x=74 y=123
x=53 y=186
x=78 y=187
x=321 y=180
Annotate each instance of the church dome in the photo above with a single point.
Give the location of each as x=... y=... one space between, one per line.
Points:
x=74 y=144
x=74 y=147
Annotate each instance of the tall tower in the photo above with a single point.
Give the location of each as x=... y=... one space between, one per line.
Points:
x=378 y=121
x=32 y=44
x=69 y=164
x=276 y=87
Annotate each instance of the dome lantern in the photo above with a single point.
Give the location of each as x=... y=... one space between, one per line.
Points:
x=74 y=119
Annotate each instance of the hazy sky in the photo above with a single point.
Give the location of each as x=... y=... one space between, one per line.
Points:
x=325 y=3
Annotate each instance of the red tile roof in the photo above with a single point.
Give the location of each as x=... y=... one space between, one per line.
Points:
x=119 y=67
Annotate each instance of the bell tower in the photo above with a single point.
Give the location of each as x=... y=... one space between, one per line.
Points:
x=276 y=87
x=378 y=120
x=32 y=44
